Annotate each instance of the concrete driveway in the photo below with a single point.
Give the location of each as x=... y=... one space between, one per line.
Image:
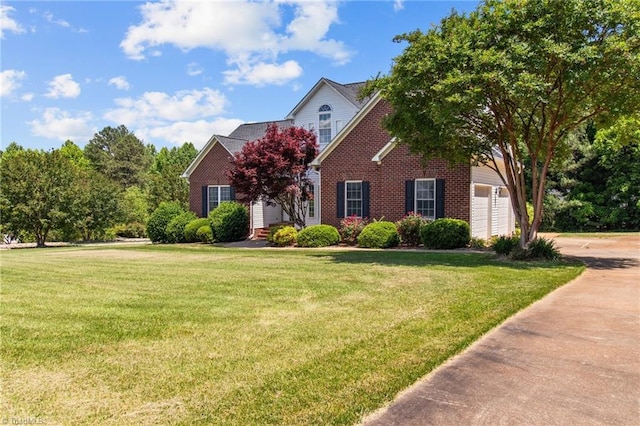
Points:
x=572 y=358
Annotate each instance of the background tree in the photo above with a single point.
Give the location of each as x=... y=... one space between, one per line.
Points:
x=120 y=155
x=165 y=183
x=37 y=191
x=96 y=204
x=517 y=77
x=274 y=169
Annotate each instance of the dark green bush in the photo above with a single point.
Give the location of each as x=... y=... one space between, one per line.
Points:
x=192 y=227
x=446 y=234
x=504 y=245
x=541 y=248
x=160 y=218
x=350 y=228
x=409 y=228
x=130 y=230
x=285 y=236
x=204 y=234
x=379 y=235
x=318 y=236
x=519 y=253
x=175 y=228
x=229 y=222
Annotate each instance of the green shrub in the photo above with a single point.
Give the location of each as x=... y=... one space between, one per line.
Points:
x=175 y=228
x=229 y=222
x=160 y=218
x=192 y=227
x=318 y=236
x=504 y=245
x=273 y=229
x=204 y=234
x=541 y=248
x=519 y=253
x=350 y=228
x=409 y=228
x=477 y=243
x=285 y=236
x=380 y=234
x=446 y=234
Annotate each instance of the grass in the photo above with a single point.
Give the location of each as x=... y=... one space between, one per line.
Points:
x=185 y=334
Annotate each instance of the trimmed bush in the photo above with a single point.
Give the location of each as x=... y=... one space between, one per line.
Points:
x=192 y=227
x=285 y=236
x=503 y=245
x=160 y=218
x=273 y=229
x=204 y=234
x=541 y=248
x=380 y=234
x=350 y=228
x=175 y=228
x=229 y=222
x=446 y=234
x=318 y=236
x=409 y=228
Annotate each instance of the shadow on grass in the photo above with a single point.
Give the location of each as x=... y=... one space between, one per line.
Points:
x=425 y=258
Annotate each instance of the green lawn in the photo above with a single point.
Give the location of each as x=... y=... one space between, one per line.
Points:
x=185 y=334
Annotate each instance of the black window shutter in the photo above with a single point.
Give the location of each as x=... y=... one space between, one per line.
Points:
x=340 y=199
x=205 y=201
x=439 y=198
x=232 y=193
x=365 y=199
x=409 y=193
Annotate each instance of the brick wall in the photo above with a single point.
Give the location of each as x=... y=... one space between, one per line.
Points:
x=351 y=160
x=210 y=171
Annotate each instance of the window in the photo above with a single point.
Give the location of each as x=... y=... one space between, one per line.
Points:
x=218 y=194
x=425 y=198
x=324 y=126
x=312 y=201
x=353 y=199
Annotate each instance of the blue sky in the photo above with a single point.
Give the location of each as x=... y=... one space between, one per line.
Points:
x=178 y=71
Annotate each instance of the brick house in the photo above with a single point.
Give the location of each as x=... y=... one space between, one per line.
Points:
x=361 y=170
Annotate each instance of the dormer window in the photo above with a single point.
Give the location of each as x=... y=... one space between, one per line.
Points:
x=324 y=126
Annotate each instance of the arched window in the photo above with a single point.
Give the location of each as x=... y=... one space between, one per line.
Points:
x=324 y=125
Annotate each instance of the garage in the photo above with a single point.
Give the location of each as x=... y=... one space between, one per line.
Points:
x=490 y=212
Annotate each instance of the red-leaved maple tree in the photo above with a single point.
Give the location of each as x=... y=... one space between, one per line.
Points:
x=275 y=169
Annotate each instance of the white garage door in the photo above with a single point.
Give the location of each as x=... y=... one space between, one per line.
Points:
x=480 y=211
x=503 y=222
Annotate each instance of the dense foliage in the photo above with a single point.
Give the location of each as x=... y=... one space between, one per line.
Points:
x=275 y=169
x=381 y=234
x=318 y=236
x=105 y=191
x=176 y=227
x=409 y=228
x=446 y=234
x=350 y=228
x=285 y=236
x=160 y=218
x=191 y=229
x=510 y=82
x=229 y=222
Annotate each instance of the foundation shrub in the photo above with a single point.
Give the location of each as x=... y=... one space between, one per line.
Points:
x=446 y=234
x=229 y=222
x=318 y=236
x=285 y=236
x=192 y=227
x=380 y=234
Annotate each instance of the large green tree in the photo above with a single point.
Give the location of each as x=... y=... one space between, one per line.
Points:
x=165 y=181
x=120 y=155
x=37 y=190
x=510 y=82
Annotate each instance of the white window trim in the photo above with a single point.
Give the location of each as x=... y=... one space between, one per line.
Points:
x=209 y=198
x=415 y=196
x=346 y=192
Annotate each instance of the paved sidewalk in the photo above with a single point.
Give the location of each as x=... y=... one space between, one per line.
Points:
x=572 y=358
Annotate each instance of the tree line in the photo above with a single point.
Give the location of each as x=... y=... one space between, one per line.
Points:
x=107 y=189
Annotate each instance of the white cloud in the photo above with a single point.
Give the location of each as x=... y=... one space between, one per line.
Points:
x=63 y=86
x=10 y=81
x=159 y=108
x=49 y=17
x=398 y=5
x=250 y=33
x=120 y=82
x=61 y=125
x=194 y=69
x=196 y=132
x=7 y=23
x=261 y=74
x=27 y=97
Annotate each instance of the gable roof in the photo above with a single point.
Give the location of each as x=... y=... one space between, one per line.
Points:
x=373 y=101
x=350 y=92
x=235 y=141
